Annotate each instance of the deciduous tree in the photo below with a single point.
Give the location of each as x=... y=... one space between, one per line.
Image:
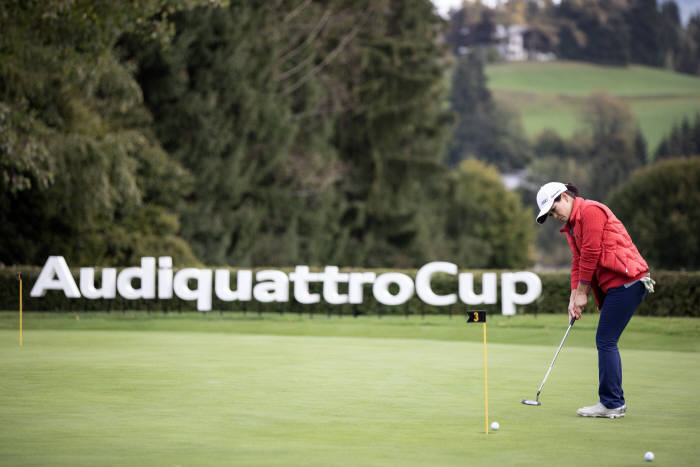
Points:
x=660 y=207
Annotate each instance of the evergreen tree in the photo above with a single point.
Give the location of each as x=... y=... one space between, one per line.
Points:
x=236 y=101
x=392 y=136
x=682 y=141
x=593 y=31
x=310 y=141
x=81 y=173
x=646 y=30
x=472 y=101
x=671 y=34
x=484 y=130
x=688 y=60
x=612 y=144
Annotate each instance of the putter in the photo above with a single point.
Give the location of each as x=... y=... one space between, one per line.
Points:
x=537 y=399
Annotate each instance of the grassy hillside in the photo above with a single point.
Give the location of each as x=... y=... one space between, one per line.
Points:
x=550 y=95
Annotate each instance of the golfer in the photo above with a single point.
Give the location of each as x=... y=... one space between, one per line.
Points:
x=605 y=260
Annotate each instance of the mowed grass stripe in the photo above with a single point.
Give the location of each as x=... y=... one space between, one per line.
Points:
x=193 y=398
x=655 y=116
x=643 y=332
x=582 y=79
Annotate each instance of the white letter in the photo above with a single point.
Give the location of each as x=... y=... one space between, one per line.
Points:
x=301 y=277
x=355 y=284
x=489 y=284
x=55 y=266
x=330 y=286
x=244 y=285
x=203 y=291
x=423 y=289
x=277 y=290
x=381 y=288
x=165 y=277
x=510 y=298
x=146 y=273
x=109 y=283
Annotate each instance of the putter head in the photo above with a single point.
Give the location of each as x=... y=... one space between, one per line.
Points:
x=531 y=402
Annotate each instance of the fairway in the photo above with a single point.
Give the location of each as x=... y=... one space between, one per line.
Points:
x=552 y=95
x=234 y=390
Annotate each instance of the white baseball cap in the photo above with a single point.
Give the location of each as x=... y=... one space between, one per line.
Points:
x=545 y=198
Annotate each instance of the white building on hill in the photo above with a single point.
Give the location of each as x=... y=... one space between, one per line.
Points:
x=516 y=42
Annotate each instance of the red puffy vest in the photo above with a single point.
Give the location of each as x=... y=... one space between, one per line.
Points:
x=618 y=254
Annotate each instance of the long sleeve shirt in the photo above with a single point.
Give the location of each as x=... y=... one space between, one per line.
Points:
x=586 y=231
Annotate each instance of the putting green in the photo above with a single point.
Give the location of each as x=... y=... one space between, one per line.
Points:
x=81 y=396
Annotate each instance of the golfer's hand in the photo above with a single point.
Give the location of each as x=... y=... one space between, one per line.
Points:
x=571 y=304
x=577 y=304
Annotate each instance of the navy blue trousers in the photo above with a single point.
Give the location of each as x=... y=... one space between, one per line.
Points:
x=618 y=307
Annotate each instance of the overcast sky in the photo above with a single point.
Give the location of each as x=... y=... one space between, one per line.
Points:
x=443 y=6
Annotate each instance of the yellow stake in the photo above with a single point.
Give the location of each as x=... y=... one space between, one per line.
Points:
x=19 y=276
x=486 y=387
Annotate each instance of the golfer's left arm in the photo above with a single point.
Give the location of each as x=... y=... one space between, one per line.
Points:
x=593 y=219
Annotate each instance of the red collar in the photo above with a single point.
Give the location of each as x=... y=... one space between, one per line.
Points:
x=575 y=215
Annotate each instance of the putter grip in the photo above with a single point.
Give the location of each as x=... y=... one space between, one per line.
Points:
x=571 y=323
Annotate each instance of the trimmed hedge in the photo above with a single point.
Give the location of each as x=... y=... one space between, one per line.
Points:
x=677 y=294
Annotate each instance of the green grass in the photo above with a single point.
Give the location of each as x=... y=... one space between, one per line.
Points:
x=551 y=95
x=210 y=389
x=582 y=79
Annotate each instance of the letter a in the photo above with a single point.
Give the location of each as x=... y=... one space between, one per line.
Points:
x=55 y=267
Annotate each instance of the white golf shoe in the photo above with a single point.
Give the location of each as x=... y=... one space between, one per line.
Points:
x=599 y=410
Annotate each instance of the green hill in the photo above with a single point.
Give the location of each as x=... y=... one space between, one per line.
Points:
x=550 y=95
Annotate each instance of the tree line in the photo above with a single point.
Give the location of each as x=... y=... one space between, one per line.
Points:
x=613 y=32
x=268 y=134
x=243 y=133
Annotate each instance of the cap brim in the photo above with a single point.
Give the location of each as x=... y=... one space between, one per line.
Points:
x=544 y=212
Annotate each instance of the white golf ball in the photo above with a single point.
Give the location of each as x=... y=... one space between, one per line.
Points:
x=495 y=426
x=649 y=456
